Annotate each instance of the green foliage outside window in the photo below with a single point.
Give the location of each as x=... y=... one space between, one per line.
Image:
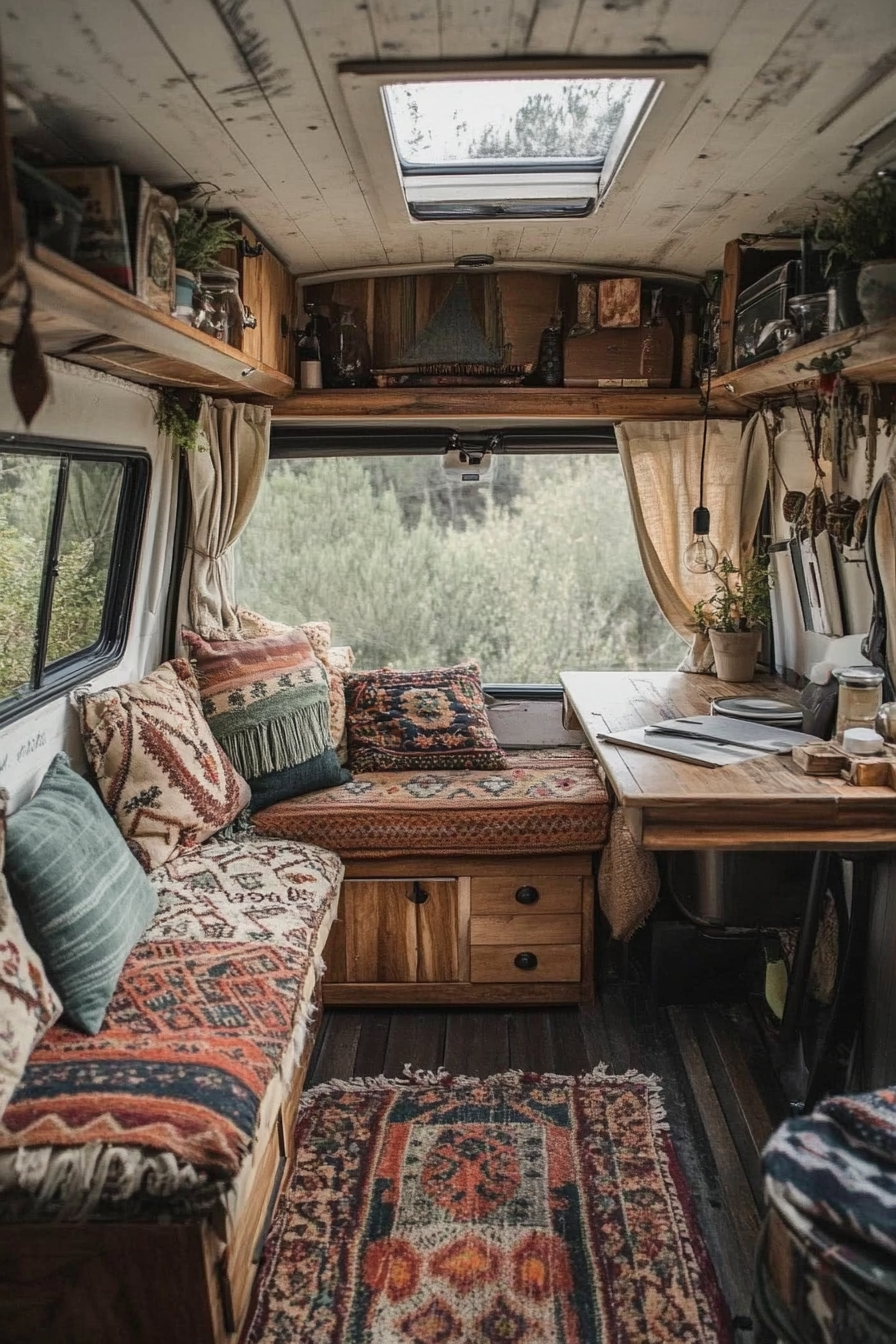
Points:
x=536 y=573
x=27 y=495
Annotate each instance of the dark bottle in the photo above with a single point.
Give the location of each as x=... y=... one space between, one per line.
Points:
x=308 y=356
x=351 y=352
x=549 y=370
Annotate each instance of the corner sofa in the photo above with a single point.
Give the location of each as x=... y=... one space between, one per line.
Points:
x=138 y=1167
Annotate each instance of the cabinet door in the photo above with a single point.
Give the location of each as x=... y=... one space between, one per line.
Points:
x=268 y=290
x=399 y=932
x=437 y=952
x=380 y=932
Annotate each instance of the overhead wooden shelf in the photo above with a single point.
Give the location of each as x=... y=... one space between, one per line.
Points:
x=82 y=318
x=873 y=360
x=504 y=403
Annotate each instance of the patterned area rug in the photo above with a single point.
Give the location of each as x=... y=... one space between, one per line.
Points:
x=521 y=1209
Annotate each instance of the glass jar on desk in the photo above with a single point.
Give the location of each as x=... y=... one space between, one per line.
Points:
x=858 y=698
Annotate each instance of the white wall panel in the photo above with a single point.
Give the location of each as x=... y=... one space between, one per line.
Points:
x=92 y=407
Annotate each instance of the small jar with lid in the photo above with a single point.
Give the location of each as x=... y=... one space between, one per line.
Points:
x=858 y=698
x=222 y=312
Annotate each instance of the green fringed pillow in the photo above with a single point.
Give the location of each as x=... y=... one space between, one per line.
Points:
x=267 y=702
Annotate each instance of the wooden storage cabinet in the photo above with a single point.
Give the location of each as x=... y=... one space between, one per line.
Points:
x=474 y=931
x=525 y=928
x=268 y=291
x=397 y=932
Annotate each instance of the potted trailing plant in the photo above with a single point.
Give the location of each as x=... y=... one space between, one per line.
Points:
x=862 y=233
x=735 y=616
x=198 y=240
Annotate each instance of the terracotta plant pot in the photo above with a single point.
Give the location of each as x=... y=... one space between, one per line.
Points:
x=876 y=290
x=735 y=654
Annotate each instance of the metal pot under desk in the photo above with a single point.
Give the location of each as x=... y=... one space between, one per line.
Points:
x=732 y=888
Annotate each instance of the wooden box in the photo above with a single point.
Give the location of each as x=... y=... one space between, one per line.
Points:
x=620 y=357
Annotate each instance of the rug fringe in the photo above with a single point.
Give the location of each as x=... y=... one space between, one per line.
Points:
x=412 y=1077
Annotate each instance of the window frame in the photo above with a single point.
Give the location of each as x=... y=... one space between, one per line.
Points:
x=48 y=681
x=640 y=133
x=296 y=441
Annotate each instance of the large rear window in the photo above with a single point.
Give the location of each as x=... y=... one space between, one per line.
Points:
x=535 y=570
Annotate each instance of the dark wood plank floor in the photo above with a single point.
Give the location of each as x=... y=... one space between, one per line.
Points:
x=722 y=1100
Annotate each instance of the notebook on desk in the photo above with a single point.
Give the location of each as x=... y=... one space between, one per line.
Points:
x=696 y=751
x=706 y=739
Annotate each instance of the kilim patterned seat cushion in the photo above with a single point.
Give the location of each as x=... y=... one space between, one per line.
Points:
x=157 y=1112
x=544 y=803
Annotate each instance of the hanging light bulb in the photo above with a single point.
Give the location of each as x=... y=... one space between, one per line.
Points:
x=701 y=557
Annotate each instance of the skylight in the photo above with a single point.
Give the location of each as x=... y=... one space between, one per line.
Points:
x=502 y=140
x=519 y=148
x=508 y=123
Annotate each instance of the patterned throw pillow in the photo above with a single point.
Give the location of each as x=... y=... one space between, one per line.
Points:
x=432 y=720
x=161 y=773
x=28 y=1002
x=267 y=702
x=337 y=662
x=81 y=895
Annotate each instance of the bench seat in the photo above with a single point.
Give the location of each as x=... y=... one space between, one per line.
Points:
x=547 y=802
x=157 y=1114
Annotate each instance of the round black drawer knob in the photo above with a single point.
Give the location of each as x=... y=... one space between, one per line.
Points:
x=527 y=895
x=419 y=895
x=525 y=961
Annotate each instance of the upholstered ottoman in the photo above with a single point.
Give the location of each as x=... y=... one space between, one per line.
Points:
x=461 y=886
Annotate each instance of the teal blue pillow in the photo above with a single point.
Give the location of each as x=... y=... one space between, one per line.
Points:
x=82 y=897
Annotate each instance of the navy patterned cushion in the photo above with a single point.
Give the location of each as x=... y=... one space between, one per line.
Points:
x=82 y=897
x=432 y=720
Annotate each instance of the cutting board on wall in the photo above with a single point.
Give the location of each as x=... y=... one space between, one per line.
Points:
x=620 y=356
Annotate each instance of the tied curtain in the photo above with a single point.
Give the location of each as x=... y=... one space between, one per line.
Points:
x=224 y=485
x=661 y=462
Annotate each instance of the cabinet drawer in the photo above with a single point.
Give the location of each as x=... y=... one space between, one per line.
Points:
x=519 y=930
x=498 y=965
x=538 y=894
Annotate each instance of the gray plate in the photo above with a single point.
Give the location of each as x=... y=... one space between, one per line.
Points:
x=760 y=709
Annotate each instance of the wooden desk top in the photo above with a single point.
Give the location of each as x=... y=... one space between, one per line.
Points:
x=765 y=803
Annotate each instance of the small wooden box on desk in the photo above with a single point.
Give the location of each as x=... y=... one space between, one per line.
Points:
x=464 y=930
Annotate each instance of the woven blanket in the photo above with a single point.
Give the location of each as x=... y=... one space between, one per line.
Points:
x=543 y=803
x=512 y=1210
x=206 y=1007
x=837 y=1167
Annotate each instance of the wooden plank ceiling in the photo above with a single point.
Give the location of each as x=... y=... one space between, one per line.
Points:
x=244 y=95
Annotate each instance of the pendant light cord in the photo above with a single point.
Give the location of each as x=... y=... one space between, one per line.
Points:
x=707 y=361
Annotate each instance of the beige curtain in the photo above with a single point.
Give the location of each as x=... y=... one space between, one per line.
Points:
x=883 y=540
x=224 y=484
x=661 y=462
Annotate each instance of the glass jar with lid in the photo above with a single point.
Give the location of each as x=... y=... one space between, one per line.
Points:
x=221 y=313
x=858 y=698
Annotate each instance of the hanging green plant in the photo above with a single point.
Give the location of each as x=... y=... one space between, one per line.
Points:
x=177 y=414
x=198 y=239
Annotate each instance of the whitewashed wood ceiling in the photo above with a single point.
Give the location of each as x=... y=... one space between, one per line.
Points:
x=244 y=95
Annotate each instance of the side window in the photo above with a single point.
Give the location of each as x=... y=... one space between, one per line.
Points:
x=70 y=524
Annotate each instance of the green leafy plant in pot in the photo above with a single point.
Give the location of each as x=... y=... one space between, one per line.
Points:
x=198 y=241
x=861 y=231
x=735 y=615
